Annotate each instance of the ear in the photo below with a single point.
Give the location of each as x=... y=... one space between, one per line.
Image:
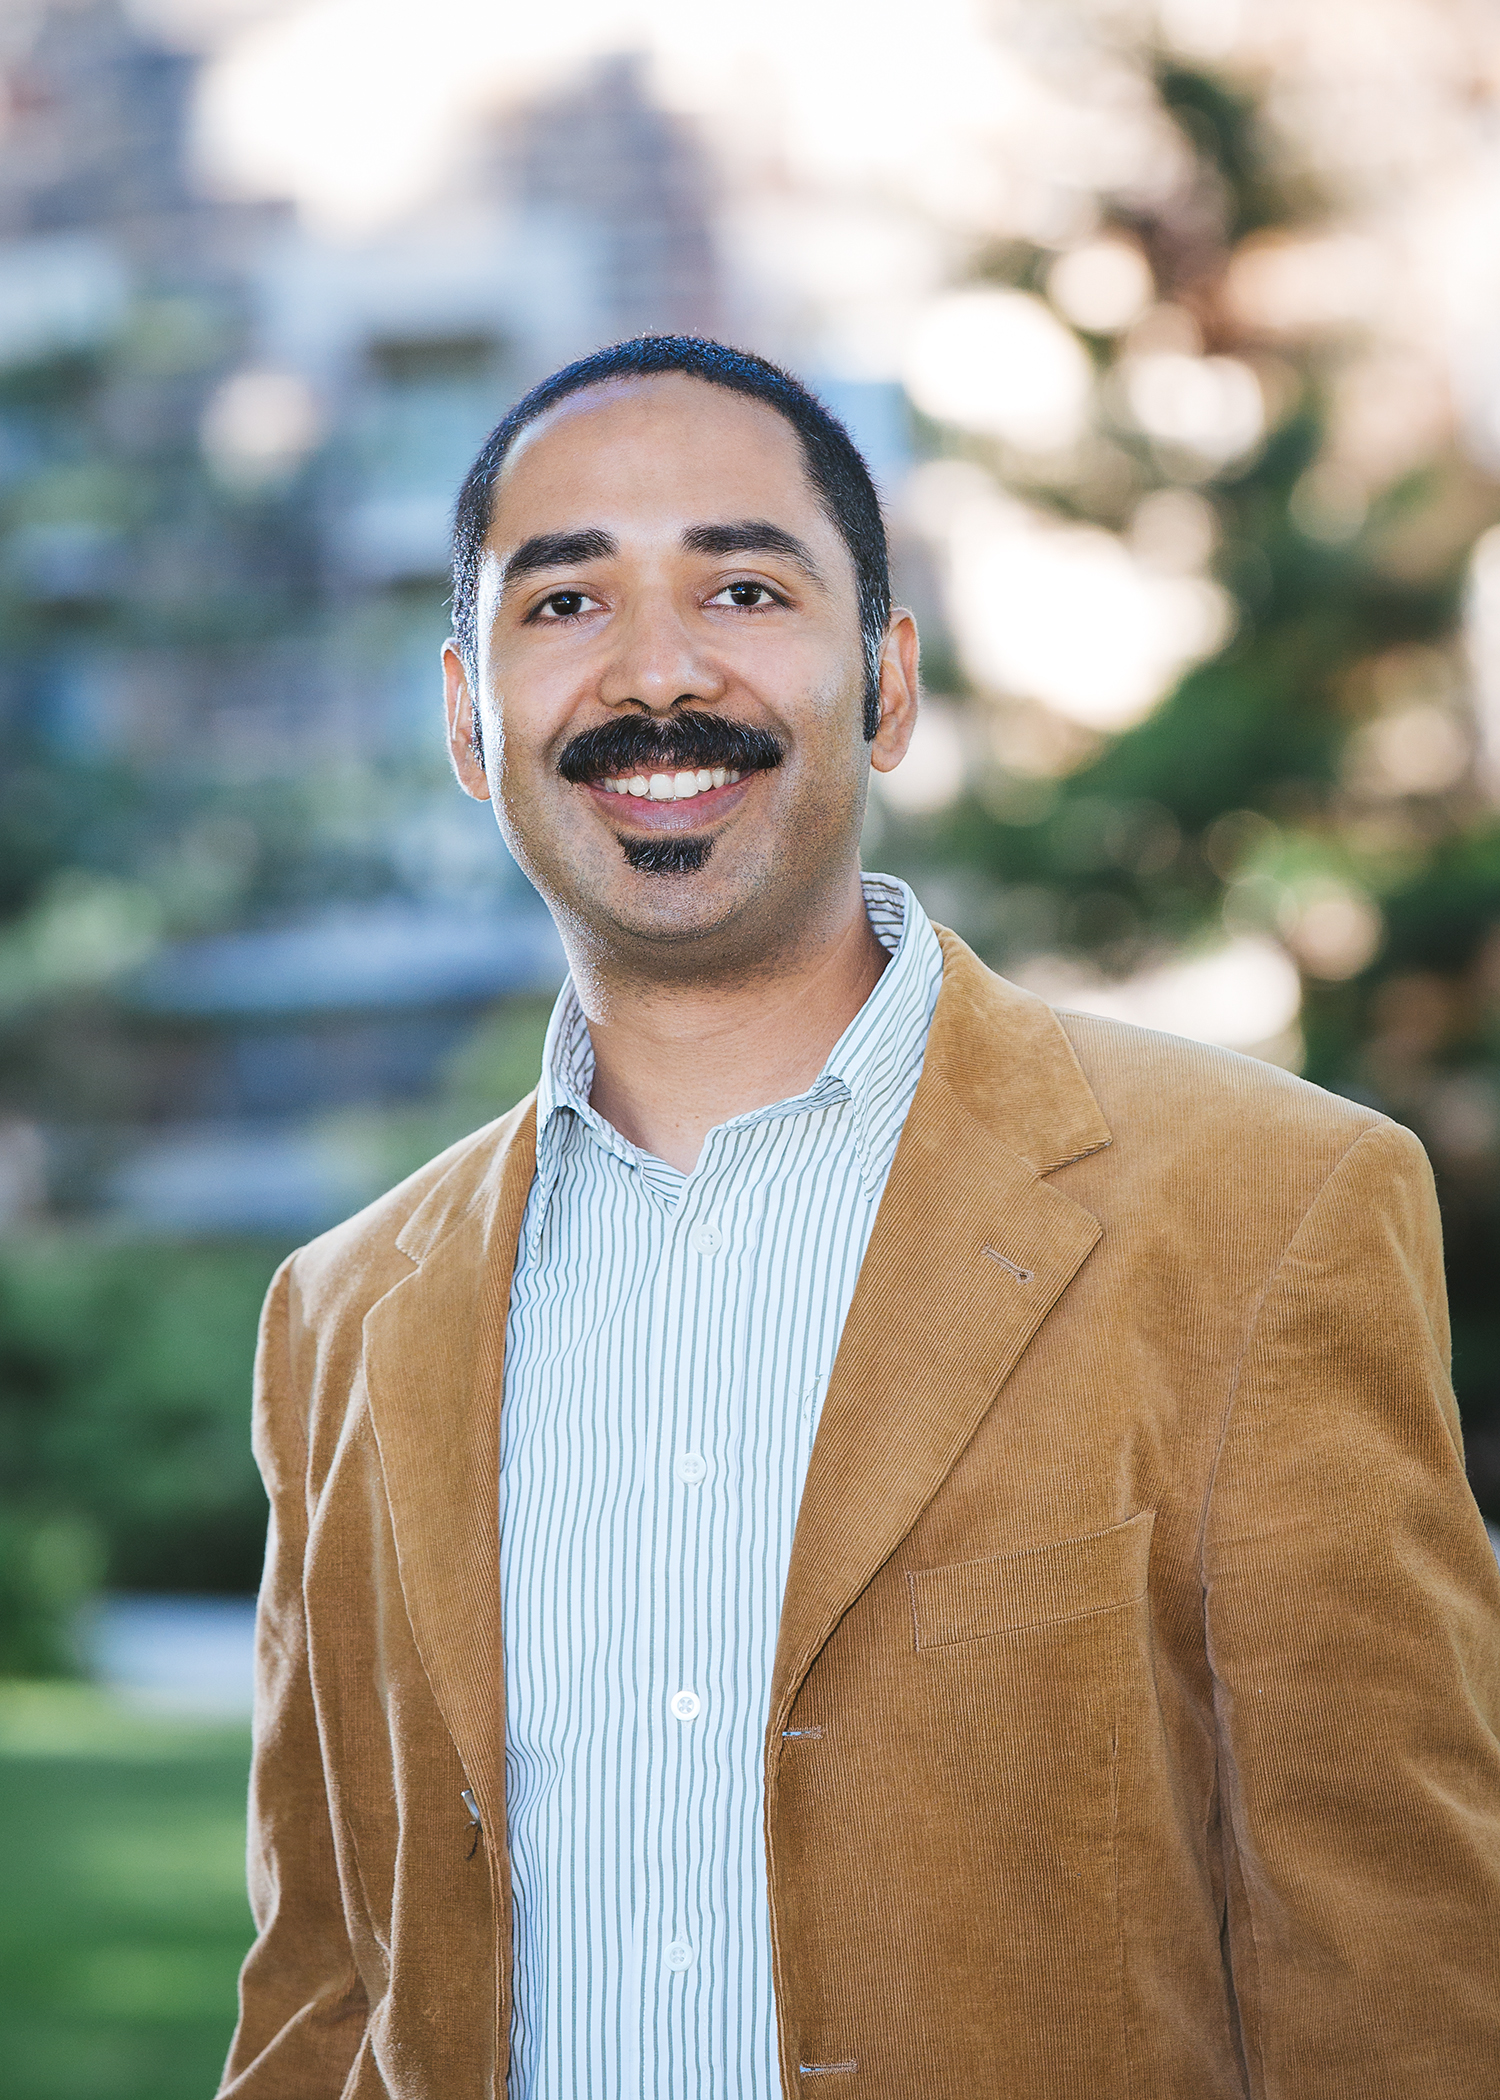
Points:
x=463 y=725
x=898 y=692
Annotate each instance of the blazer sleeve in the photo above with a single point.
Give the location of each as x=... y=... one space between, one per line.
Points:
x=303 y=2010
x=1353 y=1623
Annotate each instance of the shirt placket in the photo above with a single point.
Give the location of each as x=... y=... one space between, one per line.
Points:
x=687 y=1683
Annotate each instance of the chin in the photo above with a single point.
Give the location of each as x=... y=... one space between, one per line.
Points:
x=679 y=905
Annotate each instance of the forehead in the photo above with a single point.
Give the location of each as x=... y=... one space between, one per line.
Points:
x=656 y=452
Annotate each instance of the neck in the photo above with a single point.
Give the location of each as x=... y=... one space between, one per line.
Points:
x=671 y=1060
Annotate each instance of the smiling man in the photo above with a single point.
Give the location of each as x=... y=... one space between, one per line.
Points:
x=868 y=1537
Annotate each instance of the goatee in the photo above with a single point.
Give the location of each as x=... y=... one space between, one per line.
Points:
x=668 y=856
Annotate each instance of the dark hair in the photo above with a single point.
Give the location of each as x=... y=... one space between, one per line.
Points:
x=834 y=464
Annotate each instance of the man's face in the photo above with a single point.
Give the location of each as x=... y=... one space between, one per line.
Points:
x=664 y=605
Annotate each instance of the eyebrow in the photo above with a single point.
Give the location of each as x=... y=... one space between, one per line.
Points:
x=558 y=550
x=751 y=536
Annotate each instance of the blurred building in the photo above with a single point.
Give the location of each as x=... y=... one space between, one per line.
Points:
x=95 y=120
x=232 y=444
x=633 y=188
x=231 y=449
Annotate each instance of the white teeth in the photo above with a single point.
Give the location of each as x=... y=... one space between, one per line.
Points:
x=672 y=787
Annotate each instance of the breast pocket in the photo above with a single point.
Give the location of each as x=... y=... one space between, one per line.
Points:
x=1043 y=1586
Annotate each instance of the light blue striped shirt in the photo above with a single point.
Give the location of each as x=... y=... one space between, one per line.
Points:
x=669 y=1343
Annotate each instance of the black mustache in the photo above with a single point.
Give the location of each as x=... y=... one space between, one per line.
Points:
x=635 y=744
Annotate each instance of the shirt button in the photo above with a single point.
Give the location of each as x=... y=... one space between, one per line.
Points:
x=705 y=1239
x=686 y=1705
x=679 y=1955
x=691 y=1467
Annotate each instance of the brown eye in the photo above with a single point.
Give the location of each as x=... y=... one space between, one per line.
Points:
x=748 y=595
x=563 y=605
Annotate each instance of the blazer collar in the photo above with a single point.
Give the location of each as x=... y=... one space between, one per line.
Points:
x=971 y=1249
x=1007 y=1059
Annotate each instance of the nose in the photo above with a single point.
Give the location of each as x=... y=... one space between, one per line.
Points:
x=655 y=663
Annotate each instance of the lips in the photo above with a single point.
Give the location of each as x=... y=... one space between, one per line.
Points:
x=660 y=805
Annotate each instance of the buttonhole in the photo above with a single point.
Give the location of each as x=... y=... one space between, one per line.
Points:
x=850 y=2063
x=473 y=1807
x=1021 y=1275
x=789 y=1733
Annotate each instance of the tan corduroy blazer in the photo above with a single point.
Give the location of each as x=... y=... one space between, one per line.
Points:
x=1133 y=1729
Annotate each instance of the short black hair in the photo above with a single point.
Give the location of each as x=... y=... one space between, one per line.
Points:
x=835 y=467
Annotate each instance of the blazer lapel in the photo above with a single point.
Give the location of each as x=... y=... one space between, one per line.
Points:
x=434 y=1352
x=971 y=1250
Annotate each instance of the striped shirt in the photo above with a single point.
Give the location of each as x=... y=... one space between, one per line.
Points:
x=669 y=1343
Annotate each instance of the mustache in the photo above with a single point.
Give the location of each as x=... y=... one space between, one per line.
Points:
x=635 y=744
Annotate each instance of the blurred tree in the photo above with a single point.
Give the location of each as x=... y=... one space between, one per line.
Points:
x=1314 y=783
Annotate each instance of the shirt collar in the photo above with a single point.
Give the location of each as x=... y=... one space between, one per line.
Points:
x=874 y=1064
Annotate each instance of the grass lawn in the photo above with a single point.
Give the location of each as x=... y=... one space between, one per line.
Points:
x=122 y=1897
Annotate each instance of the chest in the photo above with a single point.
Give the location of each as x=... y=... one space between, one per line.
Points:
x=644 y=1321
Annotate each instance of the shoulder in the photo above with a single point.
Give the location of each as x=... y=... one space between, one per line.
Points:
x=1227 y=1165
x=1245 y=1124
x=1138 y=1073
x=1061 y=1086
x=344 y=1270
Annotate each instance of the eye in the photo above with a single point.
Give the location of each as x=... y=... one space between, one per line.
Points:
x=562 y=605
x=747 y=595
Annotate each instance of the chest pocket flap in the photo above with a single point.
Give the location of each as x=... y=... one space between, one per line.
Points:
x=1038 y=1587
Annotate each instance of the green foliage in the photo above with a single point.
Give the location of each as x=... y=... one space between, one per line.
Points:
x=48 y=1565
x=500 y=1061
x=124 y=1413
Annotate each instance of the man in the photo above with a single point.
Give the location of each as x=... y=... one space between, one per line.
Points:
x=869 y=1532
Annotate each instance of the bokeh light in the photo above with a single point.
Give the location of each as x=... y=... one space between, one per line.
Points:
x=999 y=363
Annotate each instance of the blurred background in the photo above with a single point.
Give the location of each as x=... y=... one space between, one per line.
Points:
x=1172 y=333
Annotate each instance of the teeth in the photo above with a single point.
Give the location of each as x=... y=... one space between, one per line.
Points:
x=672 y=787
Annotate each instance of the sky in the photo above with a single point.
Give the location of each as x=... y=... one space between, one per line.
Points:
x=896 y=138
x=356 y=107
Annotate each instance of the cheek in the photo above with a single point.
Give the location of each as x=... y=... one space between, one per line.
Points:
x=529 y=726
x=832 y=730
x=534 y=690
